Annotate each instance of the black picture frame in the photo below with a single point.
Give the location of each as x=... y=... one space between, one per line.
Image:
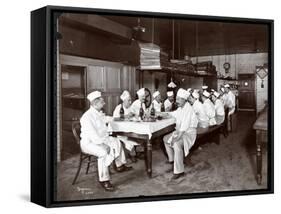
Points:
x=44 y=106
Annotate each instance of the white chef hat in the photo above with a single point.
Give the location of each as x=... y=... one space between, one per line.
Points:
x=226 y=86
x=206 y=94
x=125 y=95
x=204 y=87
x=216 y=94
x=141 y=92
x=170 y=93
x=93 y=95
x=195 y=94
x=182 y=93
x=155 y=94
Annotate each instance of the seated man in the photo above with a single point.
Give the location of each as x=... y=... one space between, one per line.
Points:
x=126 y=104
x=179 y=142
x=218 y=107
x=209 y=108
x=203 y=119
x=96 y=141
x=169 y=103
x=137 y=104
x=156 y=101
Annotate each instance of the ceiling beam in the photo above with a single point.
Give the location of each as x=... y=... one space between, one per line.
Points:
x=98 y=24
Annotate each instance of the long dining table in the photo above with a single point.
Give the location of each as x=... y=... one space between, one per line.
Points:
x=145 y=132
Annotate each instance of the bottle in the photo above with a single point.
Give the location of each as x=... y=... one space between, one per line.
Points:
x=152 y=110
x=141 y=112
x=174 y=106
x=162 y=107
x=121 y=112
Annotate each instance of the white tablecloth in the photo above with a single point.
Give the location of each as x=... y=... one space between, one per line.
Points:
x=140 y=127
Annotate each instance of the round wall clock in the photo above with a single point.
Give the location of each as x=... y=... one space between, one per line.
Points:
x=226 y=66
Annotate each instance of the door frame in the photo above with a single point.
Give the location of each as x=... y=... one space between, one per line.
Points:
x=254 y=90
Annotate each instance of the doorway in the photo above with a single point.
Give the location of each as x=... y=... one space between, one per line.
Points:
x=246 y=90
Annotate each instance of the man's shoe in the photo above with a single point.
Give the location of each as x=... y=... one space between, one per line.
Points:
x=107 y=185
x=123 y=168
x=176 y=176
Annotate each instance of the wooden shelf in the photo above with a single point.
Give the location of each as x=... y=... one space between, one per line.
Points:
x=222 y=78
x=181 y=72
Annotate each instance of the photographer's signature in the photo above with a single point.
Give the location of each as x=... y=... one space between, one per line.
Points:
x=85 y=191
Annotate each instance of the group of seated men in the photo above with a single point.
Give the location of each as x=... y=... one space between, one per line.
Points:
x=195 y=108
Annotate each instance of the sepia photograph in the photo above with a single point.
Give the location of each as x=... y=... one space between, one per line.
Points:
x=152 y=105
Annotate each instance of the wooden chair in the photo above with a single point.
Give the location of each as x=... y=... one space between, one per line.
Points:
x=76 y=127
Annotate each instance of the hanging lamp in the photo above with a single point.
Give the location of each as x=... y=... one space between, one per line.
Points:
x=172 y=84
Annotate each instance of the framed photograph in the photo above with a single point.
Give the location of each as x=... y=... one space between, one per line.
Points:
x=131 y=106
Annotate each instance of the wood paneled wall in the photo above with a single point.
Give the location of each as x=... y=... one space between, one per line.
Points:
x=262 y=96
x=108 y=77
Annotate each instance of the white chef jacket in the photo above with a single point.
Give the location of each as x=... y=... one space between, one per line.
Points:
x=223 y=99
x=186 y=121
x=168 y=105
x=116 y=112
x=230 y=102
x=157 y=106
x=219 y=111
x=95 y=132
x=93 y=127
x=203 y=119
x=135 y=107
x=210 y=111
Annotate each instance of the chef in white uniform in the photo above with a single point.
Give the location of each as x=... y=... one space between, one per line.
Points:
x=222 y=95
x=229 y=99
x=189 y=92
x=135 y=107
x=126 y=103
x=204 y=88
x=168 y=104
x=179 y=142
x=203 y=119
x=219 y=107
x=209 y=108
x=95 y=140
x=157 y=101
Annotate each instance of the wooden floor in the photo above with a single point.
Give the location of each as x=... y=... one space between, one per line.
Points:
x=224 y=167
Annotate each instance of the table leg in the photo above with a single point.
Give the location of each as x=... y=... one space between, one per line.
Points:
x=149 y=158
x=259 y=157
